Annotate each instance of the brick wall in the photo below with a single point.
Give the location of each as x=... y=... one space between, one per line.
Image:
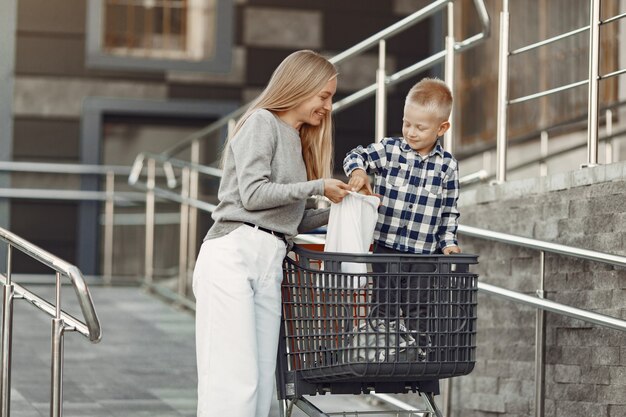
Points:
x=585 y=364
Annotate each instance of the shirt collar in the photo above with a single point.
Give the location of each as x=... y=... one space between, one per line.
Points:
x=438 y=149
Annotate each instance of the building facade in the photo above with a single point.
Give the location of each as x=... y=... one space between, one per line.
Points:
x=97 y=82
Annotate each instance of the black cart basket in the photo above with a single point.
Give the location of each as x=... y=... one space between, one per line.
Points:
x=348 y=329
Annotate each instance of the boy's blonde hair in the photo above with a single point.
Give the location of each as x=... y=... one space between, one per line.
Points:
x=300 y=76
x=434 y=95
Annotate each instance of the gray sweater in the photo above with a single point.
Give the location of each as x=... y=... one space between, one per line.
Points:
x=264 y=181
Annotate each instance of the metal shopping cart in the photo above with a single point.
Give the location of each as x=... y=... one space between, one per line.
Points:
x=347 y=332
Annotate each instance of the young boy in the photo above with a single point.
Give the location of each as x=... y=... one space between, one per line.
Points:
x=417 y=179
x=418 y=184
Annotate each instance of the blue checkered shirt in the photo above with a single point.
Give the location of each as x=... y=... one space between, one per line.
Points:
x=418 y=212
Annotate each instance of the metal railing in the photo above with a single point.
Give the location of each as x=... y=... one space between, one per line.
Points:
x=592 y=82
x=540 y=303
x=610 y=138
x=61 y=321
x=383 y=80
x=110 y=196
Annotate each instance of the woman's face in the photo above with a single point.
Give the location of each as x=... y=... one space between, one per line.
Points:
x=314 y=109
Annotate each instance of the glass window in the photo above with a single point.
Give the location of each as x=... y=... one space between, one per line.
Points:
x=157 y=33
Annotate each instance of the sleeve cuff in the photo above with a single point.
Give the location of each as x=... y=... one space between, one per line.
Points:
x=320 y=187
x=446 y=243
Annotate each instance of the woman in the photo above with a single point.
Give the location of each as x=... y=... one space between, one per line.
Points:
x=279 y=156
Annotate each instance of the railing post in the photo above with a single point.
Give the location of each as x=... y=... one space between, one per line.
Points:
x=7 y=338
x=109 y=220
x=594 y=80
x=193 y=212
x=149 y=256
x=448 y=140
x=56 y=390
x=381 y=93
x=540 y=343
x=487 y=161
x=184 y=229
x=609 y=144
x=503 y=81
x=543 y=166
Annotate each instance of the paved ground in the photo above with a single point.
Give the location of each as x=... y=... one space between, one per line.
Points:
x=144 y=366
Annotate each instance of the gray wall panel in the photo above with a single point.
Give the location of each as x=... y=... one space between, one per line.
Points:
x=52 y=16
x=38 y=54
x=45 y=139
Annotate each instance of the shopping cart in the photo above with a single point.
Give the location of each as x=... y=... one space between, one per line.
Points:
x=347 y=332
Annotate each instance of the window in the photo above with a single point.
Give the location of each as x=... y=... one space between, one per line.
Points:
x=160 y=34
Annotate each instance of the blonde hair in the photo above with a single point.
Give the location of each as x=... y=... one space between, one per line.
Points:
x=433 y=94
x=299 y=77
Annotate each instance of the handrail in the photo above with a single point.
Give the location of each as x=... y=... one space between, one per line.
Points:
x=613 y=19
x=370 y=42
x=172 y=196
x=541 y=303
x=592 y=80
x=94 y=332
x=540 y=159
x=390 y=31
x=171 y=162
x=109 y=195
x=56 y=168
x=73 y=195
x=61 y=321
x=544 y=93
x=541 y=245
x=534 y=134
x=477 y=176
x=548 y=41
x=69 y=169
x=563 y=309
x=72 y=322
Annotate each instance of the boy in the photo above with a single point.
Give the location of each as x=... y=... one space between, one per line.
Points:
x=417 y=179
x=419 y=188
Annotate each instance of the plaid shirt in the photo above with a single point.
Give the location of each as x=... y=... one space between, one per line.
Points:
x=418 y=212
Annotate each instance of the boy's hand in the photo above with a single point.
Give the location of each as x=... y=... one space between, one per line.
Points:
x=451 y=249
x=335 y=190
x=359 y=180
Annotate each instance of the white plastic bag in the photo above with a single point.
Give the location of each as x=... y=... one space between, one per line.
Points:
x=350 y=230
x=378 y=340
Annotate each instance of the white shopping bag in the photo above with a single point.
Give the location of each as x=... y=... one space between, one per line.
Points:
x=350 y=230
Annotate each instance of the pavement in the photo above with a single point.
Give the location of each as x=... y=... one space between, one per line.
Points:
x=144 y=366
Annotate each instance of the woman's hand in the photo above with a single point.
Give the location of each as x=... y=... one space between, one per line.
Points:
x=335 y=190
x=359 y=180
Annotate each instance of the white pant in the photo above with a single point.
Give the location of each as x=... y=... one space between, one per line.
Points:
x=236 y=282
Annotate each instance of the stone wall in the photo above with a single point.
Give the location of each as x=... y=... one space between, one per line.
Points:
x=585 y=364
